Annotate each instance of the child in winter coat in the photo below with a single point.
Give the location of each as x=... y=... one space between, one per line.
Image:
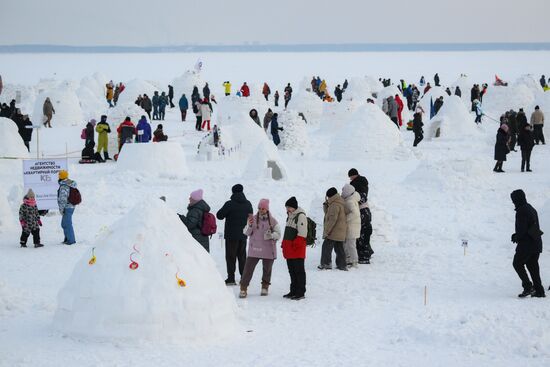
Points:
x=30 y=220
x=263 y=231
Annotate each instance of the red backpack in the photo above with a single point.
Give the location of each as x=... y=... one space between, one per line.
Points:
x=209 y=226
x=83 y=134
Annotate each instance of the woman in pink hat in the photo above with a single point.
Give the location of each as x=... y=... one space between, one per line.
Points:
x=263 y=231
x=194 y=219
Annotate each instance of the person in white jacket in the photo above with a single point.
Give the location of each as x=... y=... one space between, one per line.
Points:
x=353 y=219
x=206 y=112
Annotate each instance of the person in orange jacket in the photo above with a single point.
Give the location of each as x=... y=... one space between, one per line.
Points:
x=294 y=248
x=245 y=91
x=126 y=132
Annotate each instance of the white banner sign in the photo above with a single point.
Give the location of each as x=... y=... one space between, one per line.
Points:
x=41 y=176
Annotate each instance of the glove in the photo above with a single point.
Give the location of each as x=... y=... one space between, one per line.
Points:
x=40 y=223
x=268 y=235
x=515 y=238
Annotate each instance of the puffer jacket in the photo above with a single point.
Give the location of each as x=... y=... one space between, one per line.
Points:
x=143 y=131
x=193 y=221
x=263 y=234
x=63 y=194
x=295 y=248
x=28 y=216
x=353 y=215
x=235 y=212
x=334 y=223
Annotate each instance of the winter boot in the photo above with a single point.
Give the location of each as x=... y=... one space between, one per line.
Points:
x=230 y=281
x=242 y=293
x=265 y=289
x=290 y=295
x=539 y=294
x=324 y=267
x=527 y=292
x=106 y=156
x=23 y=245
x=38 y=245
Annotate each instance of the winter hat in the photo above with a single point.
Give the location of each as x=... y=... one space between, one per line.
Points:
x=518 y=198
x=237 y=188
x=347 y=190
x=263 y=204
x=63 y=175
x=93 y=122
x=331 y=192
x=353 y=172
x=292 y=203
x=30 y=194
x=504 y=127
x=196 y=195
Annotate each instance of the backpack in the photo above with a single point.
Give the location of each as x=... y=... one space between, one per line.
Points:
x=83 y=134
x=311 y=231
x=209 y=226
x=74 y=196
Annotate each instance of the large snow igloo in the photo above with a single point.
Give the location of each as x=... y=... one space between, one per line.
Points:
x=147 y=278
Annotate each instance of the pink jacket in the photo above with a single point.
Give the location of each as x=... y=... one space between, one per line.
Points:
x=263 y=237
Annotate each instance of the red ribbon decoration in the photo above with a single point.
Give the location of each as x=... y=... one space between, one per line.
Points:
x=133 y=264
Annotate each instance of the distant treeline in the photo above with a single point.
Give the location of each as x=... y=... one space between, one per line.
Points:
x=363 y=47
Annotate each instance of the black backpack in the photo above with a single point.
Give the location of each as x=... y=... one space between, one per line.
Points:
x=311 y=231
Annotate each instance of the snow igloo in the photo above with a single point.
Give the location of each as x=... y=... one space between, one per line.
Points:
x=453 y=121
x=368 y=132
x=68 y=111
x=164 y=159
x=147 y=278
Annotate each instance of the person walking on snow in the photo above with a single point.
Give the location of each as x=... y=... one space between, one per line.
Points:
x=353 y=221
x=193 y=220
x=29 y=218
x=171 y=96
x=526 y=142
x=263 y=232
x=206 y=113
x=156 y=101
x=334 y=231
x=527 y=235
x=361 y=185
x=48 y=111
x=66 y=208
x=163 y=102
x=436 y=79
x=266 y=91
x=417 y=127
x=147 y=105
x=110 y=93
x=275 y=129
x=501 y=147
x=478 y=110
x=103 y=130
x=294 y=248
x=206 y=92
x=276 y=97
x=184 y=106
x=235 y=212
x=400 y=107
x=537 y=121
x=267 y=118
x=143 y=131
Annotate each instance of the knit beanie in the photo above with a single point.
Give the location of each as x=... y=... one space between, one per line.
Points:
x=347 y=190
x=292 y=203
x=353 y=172
x=331 y=192
x=196 y=196
x=263 y=204
x=63 y=174
x=237 y=188
x=30 y=194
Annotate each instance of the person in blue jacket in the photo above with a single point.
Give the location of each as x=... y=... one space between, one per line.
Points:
x=184 y=106
x=143 y=131
x=275 y=129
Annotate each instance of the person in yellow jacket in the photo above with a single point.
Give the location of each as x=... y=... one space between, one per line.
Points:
x=227 y=87
x=323 y=87
x=103 y=129
x=110 y=92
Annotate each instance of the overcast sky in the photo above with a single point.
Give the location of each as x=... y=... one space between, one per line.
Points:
x=180 y=22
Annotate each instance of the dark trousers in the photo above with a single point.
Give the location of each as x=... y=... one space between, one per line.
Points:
x=149 y=114
x=364 y=249
x=183 y=114
x=513 y=141
x=531 y=260
x=198 y=123
x=417 y=138
x=27 y=145
x=276 y=102
x=35 y=237
x=394 y=119
x=171 y=102
x=539 y=134
x=526 y=158
x=297 y=276
x=326 y=253
x=235 y=250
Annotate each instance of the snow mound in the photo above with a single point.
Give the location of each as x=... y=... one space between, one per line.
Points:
x=8 y=222
x=117 y=114
x=392 y=90
x=134 y=88
x=294 y=136
x=453 y=120
x=186 y=82
x=523 y=93
x=12 y=144
x=265 y=163
x=68 y=111
x=369 y=131
x=110 y=300
x=164 y=159
x=307 y=103
x=359 y=89
x=433 y=94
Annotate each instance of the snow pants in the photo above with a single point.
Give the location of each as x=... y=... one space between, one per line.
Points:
x=531 y=261
x=103 y=143
x=364 y=249
x=35 y=236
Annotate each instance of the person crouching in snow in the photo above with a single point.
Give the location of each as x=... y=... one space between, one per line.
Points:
x=334 y=231
x=30 y=220
x=159 y=135
x=263 y=231
x=88 y=154
x=143 y=130
x=294 y=248
x=353 y=220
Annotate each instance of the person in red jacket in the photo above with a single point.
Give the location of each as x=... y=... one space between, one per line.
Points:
x=294 y=248
x=126 y=132
x=399 y=109
x=245 y=91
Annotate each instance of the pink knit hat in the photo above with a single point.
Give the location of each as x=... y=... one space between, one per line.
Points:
x=263 y=204
x=196 y=195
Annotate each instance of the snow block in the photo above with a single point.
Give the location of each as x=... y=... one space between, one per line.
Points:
x=165 y=159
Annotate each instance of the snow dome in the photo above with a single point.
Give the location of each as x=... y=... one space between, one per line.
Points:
x=369 y=131
x=147 y=278
x=134 y=88
x=185 y=84
x=12 y=144
x=453 y=119
x=165 y=159
x=65 y=101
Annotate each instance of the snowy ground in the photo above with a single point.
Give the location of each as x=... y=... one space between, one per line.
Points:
x=424 y=200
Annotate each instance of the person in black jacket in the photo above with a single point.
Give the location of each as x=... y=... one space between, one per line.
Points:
x=275 y=129
x=171 y=96
x=436 y=79
x=529 y=245
x=361 y=185
x=526 y=141
x=417 y=128
x=501 y=147
x=235 y=212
